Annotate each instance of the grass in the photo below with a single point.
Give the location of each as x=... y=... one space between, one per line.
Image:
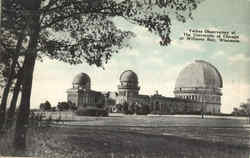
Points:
x=132 y=141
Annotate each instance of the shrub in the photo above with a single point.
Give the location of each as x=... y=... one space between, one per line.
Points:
x=45 y=106
x=62 y=106
x=143 y=110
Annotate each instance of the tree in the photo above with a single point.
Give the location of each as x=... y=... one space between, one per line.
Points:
x=11 y=43
x=243 y=110
x=72 y=106
x=142 y=109
x=246 y=108
x=125 y=108
x=62 y=106
x=92 y=35
x=46 y=106
x=10 y=64
x=12 y=109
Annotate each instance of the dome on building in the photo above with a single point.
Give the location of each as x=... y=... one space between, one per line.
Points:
x=199 y=74
x=81 y=79
x=129 y=76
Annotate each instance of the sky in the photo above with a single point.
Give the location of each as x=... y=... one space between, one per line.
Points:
x=158 y=67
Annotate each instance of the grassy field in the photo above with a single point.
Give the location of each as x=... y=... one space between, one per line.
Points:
x=139 y=136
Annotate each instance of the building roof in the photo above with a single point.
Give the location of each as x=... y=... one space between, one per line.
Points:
x=81 y=79
x=199 y=74
x=129 y=76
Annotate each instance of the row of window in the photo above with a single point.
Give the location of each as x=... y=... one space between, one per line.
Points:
x=164 y=107
x=200 y=98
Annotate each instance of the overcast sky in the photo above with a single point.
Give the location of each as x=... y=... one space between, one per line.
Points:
x=158 y=67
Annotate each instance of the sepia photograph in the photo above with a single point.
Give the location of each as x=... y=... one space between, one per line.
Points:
x=124 y=78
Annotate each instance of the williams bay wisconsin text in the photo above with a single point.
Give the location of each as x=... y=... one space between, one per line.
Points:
x=211 y=35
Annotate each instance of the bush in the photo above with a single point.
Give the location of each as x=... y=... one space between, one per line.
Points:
x=62 y=106
x=45 y=106
x=143 y=110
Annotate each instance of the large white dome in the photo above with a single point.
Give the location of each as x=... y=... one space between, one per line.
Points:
x=200 y=74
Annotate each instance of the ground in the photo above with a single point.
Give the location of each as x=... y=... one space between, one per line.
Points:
x=144 y=137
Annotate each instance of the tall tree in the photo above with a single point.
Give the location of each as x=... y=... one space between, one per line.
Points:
x=90 y=34
x=12 y=44
x=13 y=55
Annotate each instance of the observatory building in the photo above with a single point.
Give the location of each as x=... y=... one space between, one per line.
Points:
x=198 y=88
x=128 y=90
x=201 y=82
x=81 y=94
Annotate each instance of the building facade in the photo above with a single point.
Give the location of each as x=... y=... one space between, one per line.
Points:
x=197 y=88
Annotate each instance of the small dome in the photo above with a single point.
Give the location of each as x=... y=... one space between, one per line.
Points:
x=81 y=79
x=199 y=74
x=129 y=76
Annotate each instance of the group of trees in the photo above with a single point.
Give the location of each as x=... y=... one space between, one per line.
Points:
x=30 y=31
x=61 y=106
x=134 y=108
x=46 y=106
x=243 y=110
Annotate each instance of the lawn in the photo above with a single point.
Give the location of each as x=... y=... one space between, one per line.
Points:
x=142 y=137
